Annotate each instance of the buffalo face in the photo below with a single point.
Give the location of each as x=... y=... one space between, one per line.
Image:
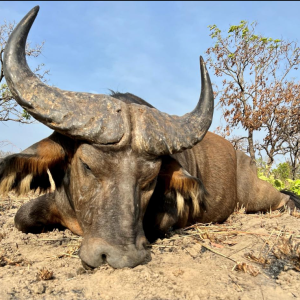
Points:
x=108 y=162
x=110 y=192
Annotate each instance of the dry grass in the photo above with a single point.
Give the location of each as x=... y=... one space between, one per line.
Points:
x=11 y=261
x=288 y=250
x=278 y=243
x=44 y=274
x=72 y=248
x=257 y=259
x=244 y=267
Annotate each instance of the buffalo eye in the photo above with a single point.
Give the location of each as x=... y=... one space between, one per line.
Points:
x=150 y=184
x=86 y=166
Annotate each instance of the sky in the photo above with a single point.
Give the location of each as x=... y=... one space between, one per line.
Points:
x=150 y=49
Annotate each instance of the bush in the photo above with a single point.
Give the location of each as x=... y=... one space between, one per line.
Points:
x=288 y=184
x=279 y=177
x=294 y=186
x=283 y=171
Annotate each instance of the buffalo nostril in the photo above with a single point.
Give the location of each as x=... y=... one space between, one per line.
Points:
x=146 y=245
x=103 y=256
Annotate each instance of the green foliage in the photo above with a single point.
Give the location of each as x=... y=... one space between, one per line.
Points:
x=262 y=167
x=294 y=186
x=26 y=115
x=277 y=183
x=215 y=30
x=5 y=93
x=283 y=171
x=279 y=177
x=245 y=33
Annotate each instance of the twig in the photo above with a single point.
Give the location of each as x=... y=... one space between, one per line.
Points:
x=216 y=252
x=275 y=240
x=60 y=239
x=237 y=251
x=262 y=294
x=265 y=243
x=164 y=246
x=234 y=281
x=244 y=232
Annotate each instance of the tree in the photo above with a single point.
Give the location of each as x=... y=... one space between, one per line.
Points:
x=282 y=171
x=255 y=70
x=9 y=109
x=282 y=122
x=6 y=153
x=293 y=149
x=238 y=142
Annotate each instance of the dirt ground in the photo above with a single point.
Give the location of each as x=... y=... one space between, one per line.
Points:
x=248 y=257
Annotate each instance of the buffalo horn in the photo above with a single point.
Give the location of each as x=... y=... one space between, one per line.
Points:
x=100 y=118
x=161 y=134
x=96 y=118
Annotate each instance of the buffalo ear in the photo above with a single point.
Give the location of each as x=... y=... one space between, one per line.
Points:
x=187 y=188
x=40 y=166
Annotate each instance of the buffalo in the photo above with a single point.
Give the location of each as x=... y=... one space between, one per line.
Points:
x=119 y=172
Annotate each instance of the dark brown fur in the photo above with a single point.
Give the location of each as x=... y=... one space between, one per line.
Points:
x=48 y=154
x=228 y=177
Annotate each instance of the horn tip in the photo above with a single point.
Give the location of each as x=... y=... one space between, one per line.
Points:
x=35 y=10
x=202 y=65
x=202 y=62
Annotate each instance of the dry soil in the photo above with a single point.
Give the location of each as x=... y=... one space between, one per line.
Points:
x=248 y=257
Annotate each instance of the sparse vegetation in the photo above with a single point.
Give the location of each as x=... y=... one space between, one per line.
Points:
x=279 y=177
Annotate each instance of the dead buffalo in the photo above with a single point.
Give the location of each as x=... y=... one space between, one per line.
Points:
x=120 y=167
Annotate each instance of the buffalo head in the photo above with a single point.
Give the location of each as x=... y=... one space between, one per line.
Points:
x=105 y=156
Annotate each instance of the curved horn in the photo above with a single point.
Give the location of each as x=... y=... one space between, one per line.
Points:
x=96 y=118
x=162 y=134
x=99 y=118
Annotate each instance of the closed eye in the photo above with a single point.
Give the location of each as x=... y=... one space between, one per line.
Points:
x=149 y=185
x=86 y=166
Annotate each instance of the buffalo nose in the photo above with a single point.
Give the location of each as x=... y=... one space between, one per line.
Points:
x=87 y=267
x=95 y=252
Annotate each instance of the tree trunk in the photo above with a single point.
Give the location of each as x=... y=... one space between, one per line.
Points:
x=270 y=161
x=251 y=146
x=294 y=169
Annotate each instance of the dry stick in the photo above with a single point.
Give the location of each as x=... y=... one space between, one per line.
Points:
x=66 y=254
x=200 y=233
x=275 y=241
x=243 y=232
x=206 y=226
x=180 y=237
x=265 y=243
x=163 y=246
x=234 y=281
x=216 y=252
x=237 y=251
x=62 y=255
x=60 y=239
x=262 y=294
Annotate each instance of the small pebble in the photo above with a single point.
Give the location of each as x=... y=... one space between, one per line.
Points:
x=70 y=275
x=39 y=288
x=80 y=271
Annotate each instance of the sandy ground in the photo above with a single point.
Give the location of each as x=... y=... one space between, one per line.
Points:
x=248 y=257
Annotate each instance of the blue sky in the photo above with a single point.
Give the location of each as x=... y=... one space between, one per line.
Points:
x=150 y=49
